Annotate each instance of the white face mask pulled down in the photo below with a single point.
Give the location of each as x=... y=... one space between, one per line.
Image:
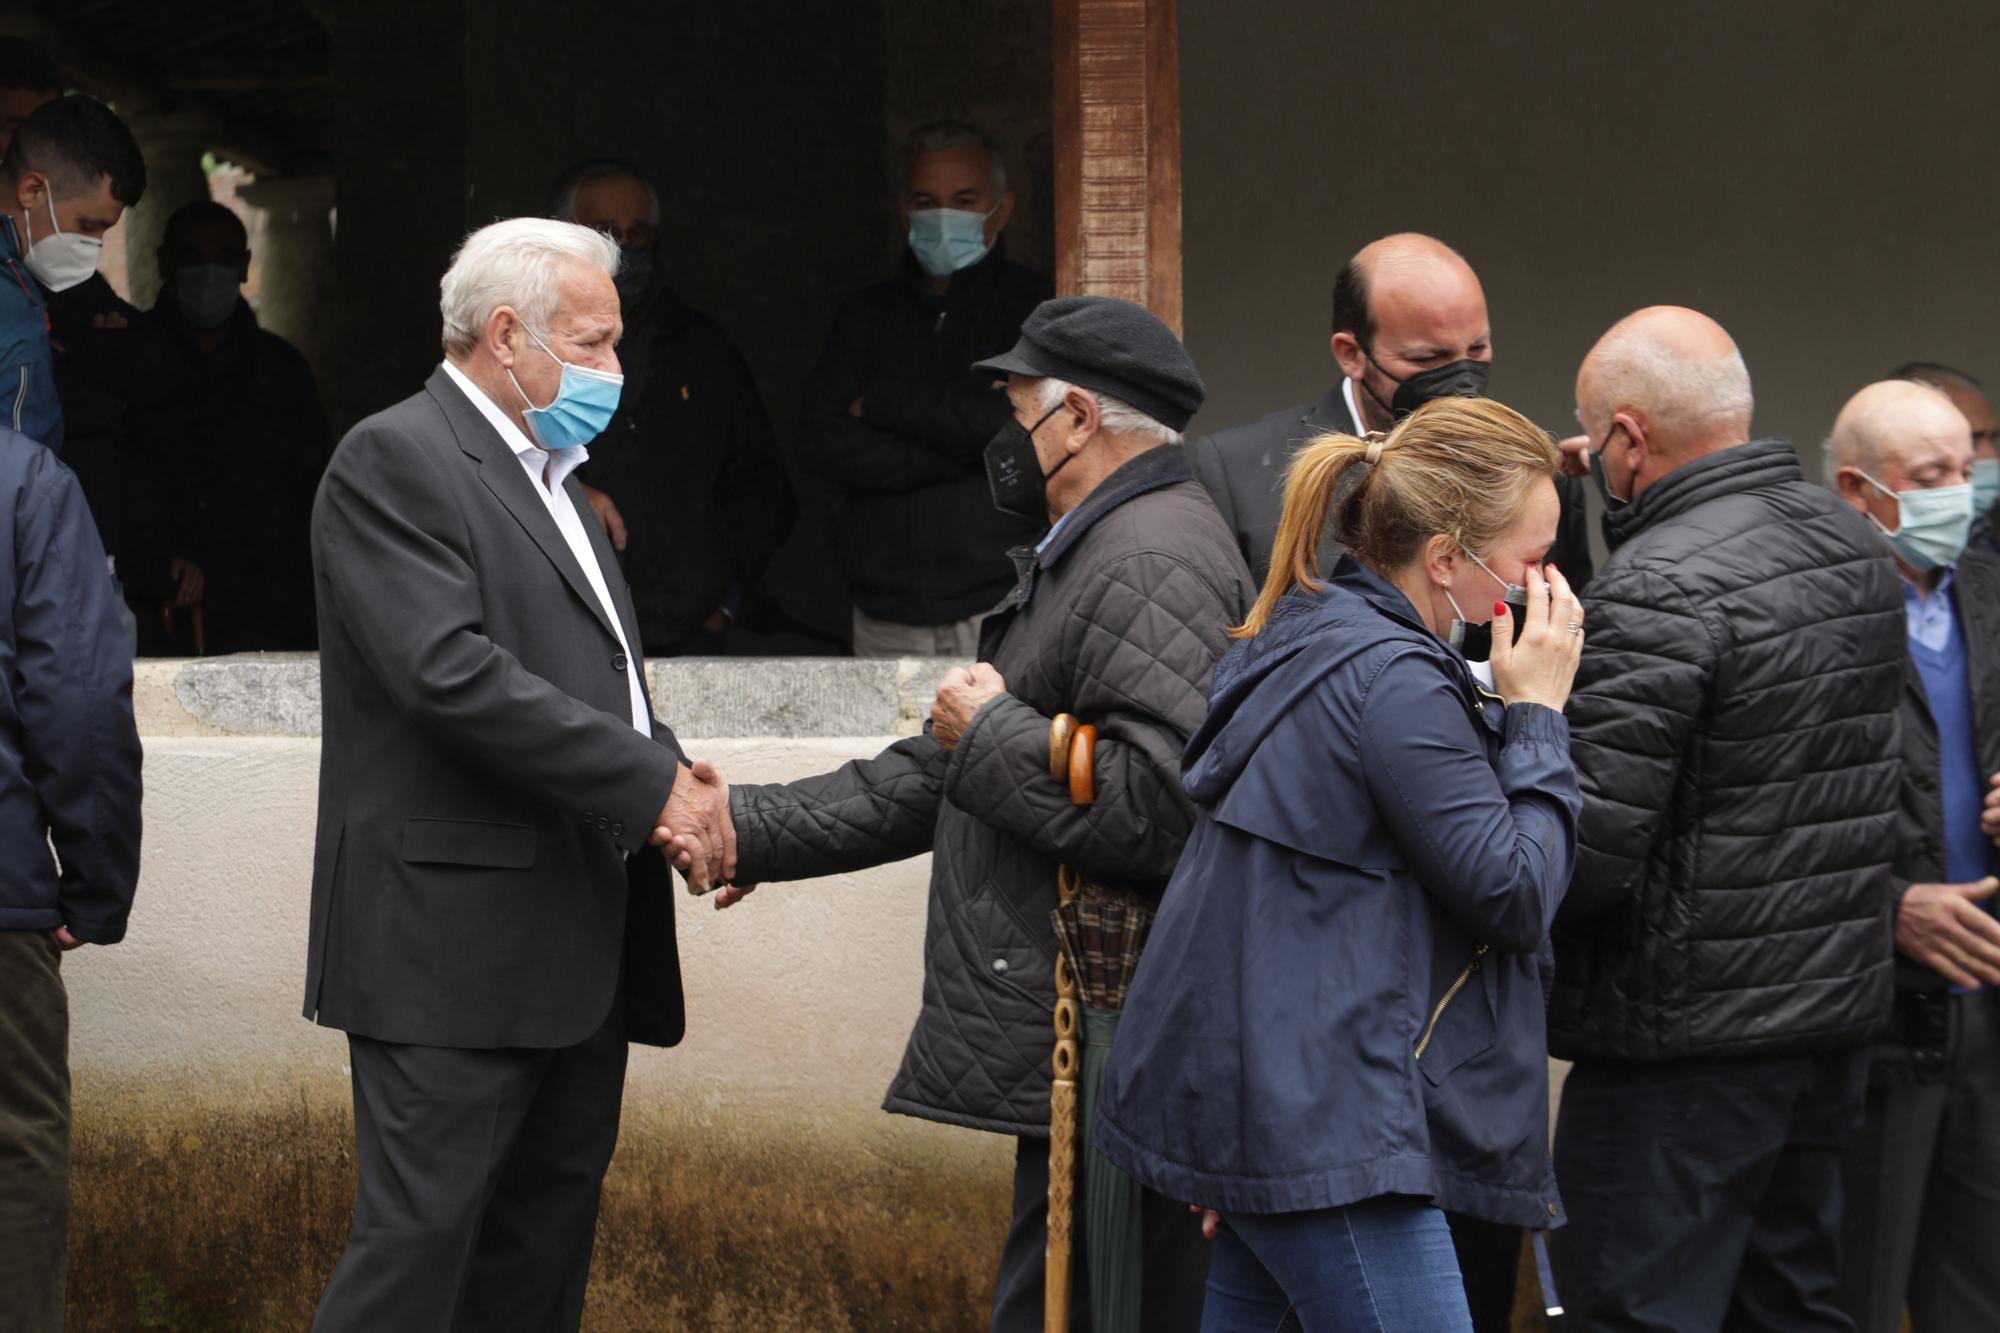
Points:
x=61 y=259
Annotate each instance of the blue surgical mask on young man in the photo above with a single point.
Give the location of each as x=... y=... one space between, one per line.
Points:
x=585 y=402
x=1931 y=526
x=1985 y=485
x=946 y=240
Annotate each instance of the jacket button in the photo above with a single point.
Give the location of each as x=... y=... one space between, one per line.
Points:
x=1000 y=966
x=617 y=830
x=618 y=661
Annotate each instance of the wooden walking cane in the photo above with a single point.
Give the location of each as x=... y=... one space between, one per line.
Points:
x=1072 y=749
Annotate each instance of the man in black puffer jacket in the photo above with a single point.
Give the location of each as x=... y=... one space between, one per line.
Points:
x=1724 y=952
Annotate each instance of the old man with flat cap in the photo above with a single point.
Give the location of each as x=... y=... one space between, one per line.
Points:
x=1119 y=616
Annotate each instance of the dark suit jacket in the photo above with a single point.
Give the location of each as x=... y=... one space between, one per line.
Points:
x=1244 y=470
x=480 y=779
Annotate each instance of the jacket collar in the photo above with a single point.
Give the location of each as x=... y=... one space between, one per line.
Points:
x=1162 y=466
x=1330 y=412
x=1743 y=467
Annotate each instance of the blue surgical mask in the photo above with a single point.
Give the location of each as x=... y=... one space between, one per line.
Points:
x=1985 y=485
x=585 y=402
x=1931 y=526
x=946 y=240
x=206 y=294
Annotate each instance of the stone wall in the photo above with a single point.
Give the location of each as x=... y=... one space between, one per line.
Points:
x=757 y=1184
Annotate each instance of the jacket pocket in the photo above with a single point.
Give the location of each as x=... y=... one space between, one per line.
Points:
x=468 y=842
x=1460 y=1024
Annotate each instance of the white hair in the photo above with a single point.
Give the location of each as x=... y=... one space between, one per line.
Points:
x=1117 y=417
x=1636 y=369
x=514 y=263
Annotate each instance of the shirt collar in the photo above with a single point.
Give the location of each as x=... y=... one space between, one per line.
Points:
x=556 y=465
x=1942 y=588
x=1353 y=408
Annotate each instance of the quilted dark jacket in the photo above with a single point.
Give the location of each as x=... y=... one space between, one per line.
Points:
x=1735 y=734
x=1118 y=619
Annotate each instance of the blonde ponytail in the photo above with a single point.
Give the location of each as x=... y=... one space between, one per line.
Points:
x=1463 y=466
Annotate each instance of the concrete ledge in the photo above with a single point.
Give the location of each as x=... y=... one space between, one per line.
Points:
x=277 y=694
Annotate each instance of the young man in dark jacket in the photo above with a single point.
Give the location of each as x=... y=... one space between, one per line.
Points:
x=1723 y=954
x=1922 y=1183
x=1119 y=616
x=895 y=417
x=69 y=843
x=687 y=478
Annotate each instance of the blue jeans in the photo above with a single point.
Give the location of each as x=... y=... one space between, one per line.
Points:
x=1382 y=1266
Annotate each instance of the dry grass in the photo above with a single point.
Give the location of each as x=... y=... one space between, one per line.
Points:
x=190 y=1218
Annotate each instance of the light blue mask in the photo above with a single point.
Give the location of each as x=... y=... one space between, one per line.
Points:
x=1931 y=526
x=585 y=402
x=1985 y=485
x=946 y=240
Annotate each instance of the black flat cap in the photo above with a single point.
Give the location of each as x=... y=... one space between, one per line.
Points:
x=1112 y=346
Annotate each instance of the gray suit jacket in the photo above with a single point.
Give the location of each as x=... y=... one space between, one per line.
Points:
x=480 y=779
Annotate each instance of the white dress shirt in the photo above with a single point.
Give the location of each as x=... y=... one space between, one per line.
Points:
x=556 y=465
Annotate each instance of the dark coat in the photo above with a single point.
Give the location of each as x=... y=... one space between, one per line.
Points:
x=918 y=537
x=1119 y=620
x=1734 y=723
x=1244 y=470
x=481 y=784
x=1921 y=842
x=692 y=464
x=253 y=443
x=1343 y=994
x=69 y=752
x=122 y=392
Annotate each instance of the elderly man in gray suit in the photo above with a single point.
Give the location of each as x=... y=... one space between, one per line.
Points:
x=489 y=924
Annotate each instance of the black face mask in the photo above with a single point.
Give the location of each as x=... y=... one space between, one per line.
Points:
x=1460 y=379
x=1597 y=474
x=1014 y=473
x=635 y=276
x=1475 y=642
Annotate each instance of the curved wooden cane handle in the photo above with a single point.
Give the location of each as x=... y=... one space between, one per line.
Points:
x=1062 y=730
x=1082 y=766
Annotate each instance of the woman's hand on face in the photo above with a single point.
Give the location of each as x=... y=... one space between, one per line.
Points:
x=1540 y=666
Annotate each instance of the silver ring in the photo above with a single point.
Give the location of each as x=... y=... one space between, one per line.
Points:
x=1576 y=627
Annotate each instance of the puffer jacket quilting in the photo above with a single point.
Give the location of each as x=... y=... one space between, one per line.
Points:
x=1734 y=725
x=1119 y=619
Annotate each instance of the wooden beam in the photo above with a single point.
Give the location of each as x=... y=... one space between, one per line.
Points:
x=1117 y=151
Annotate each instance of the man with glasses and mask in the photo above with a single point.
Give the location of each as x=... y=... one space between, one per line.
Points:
x=1922 y=1183
x=895 y=419
x=1119 y=615
x=687 y=479
x=1409 y=325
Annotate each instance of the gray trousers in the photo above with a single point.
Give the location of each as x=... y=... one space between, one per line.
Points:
x=886 y=638
x=479 y=1180
x=34 y=1133
x=1923 y=1181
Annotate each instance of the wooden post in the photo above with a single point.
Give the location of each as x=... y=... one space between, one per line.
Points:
x=1118 y=152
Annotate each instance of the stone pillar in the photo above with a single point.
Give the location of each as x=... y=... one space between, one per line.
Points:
x=296 y=277
x=1118 y=152
x=173 y=143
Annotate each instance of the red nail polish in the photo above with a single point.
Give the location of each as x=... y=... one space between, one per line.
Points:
x=1499 y=608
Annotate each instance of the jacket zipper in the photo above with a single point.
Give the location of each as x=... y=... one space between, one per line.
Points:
x=1449 y=995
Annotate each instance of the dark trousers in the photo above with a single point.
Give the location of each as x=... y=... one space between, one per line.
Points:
x=1704 y=1194
x=34 y=1133
x=479 y=1180
x=1489 y=1260
x=1176 y=1257
x=1923 y=1178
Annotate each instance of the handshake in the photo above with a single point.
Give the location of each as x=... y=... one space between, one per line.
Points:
x=697 y=835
